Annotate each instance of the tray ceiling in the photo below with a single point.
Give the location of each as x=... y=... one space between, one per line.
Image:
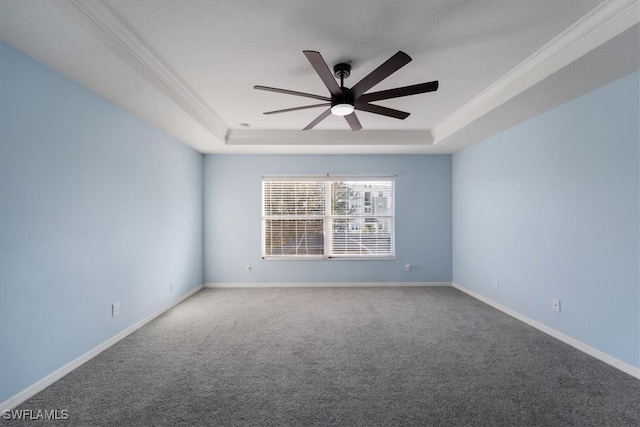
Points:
x=189 y=67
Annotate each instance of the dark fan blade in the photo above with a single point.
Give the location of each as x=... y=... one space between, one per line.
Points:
x=292 y=92
x=353 y=121
x=392 y=65
x=323 y=71
x=286 y=110
x=318 y=119
x=389 y=112
x=399 y=91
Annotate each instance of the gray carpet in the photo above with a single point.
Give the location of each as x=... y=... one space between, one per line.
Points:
x=341 y=356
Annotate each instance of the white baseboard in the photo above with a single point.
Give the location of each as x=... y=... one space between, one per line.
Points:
x=610 y=360
x=45 y=382
x=324 y=284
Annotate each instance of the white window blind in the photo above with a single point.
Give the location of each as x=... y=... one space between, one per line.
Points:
x=328 y=218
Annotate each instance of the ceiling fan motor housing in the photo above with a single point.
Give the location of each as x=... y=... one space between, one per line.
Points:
x=346 y=98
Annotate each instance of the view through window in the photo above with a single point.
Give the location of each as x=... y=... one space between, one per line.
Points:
x=328 y=218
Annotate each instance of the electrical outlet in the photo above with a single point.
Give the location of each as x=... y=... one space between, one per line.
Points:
x=555 y=304
x=407 y=267
x=171 y=288
x=495 y=284
x=115 y=309
x=247 y=268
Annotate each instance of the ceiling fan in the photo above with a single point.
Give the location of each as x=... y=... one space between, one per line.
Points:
x=343 y=101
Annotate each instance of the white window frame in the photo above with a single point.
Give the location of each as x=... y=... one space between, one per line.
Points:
x=328 y=217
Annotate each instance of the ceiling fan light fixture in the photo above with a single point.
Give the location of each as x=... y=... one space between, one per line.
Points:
x=343 y=109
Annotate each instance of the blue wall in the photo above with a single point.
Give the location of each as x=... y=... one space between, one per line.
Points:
x=96 y=207
x=232 y=200
x=550 y=209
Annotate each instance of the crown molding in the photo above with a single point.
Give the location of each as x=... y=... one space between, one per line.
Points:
x=328 y=137
x=603 y=23
x=97 y=19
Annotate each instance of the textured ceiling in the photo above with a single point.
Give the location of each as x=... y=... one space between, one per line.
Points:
x=189 y=67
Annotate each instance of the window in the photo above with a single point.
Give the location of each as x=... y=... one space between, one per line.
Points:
x=327 y=217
